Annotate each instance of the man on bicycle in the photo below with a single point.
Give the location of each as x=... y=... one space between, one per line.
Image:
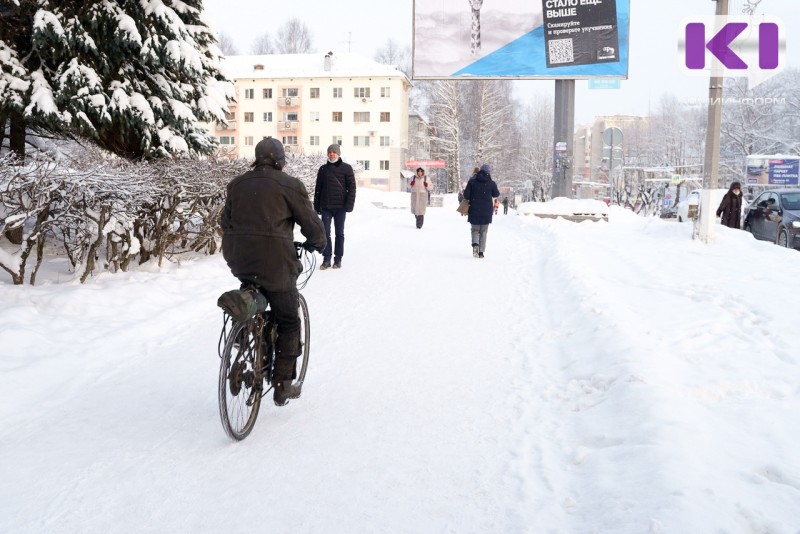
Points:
x=261 y=209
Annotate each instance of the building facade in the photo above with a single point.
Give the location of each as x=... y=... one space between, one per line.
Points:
x=310 y=101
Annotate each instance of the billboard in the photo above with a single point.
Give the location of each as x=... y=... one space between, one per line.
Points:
x=773 y=170
x=533 y=39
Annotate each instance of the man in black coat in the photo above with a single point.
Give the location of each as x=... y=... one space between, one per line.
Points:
x=480 y=191
x=261 y=209
x=334 y=198
x=730 y=209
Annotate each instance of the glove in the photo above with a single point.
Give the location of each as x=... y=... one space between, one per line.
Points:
x=425 y=184
x=413 y=182
x=309 y=246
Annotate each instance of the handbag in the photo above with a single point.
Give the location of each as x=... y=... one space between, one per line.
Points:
x=463 y=207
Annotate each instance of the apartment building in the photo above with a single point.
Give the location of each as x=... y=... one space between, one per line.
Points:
x=310 y=101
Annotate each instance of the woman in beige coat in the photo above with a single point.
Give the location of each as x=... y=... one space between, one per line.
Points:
x=419 y=196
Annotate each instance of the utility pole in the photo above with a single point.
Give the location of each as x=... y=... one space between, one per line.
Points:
x=704 y=228
x=563 y=128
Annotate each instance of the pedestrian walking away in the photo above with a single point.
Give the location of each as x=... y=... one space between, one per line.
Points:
x=505 y=205
x=730 y=209
x=334 y=198
x=261 y=209
x=480 y=191
x=419 y=196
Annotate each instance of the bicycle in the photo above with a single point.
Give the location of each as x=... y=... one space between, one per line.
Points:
x=246 y=348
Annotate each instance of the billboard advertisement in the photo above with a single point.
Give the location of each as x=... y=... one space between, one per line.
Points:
x=533 y=39
x=773 y=170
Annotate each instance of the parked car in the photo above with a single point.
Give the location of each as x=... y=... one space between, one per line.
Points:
x=775 y=216
x=693 y=199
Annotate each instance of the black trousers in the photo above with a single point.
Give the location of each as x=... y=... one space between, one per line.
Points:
x=285 y=307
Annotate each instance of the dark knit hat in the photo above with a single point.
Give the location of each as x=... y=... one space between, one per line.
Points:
x=270 y=151
x=487 y=168
x=335 y=148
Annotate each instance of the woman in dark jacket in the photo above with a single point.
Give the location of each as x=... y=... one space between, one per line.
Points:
x=480 y=191
x=730 y=209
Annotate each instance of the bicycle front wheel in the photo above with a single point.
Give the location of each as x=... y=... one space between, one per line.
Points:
x=305 y=340
x=240 y=377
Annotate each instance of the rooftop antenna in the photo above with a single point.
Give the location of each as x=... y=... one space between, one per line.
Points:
x=349 y=41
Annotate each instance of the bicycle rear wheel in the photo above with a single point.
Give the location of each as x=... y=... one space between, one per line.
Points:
x=240 y=377
x=305 y=341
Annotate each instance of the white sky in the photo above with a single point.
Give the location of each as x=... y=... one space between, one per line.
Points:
x=593 y=377
x=654 y=67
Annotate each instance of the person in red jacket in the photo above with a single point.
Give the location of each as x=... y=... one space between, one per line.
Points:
x=334 y=198
x=419 y=196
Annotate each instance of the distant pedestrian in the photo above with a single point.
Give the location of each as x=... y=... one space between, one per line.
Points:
x=419 y=196
x=480 y=191
x=505 y=206
x=730 y=209
x=334 y=198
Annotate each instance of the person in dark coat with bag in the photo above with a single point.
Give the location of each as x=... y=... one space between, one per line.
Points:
x=261 y=209
x=334 y=198
x=730 y=209
x=480 y=191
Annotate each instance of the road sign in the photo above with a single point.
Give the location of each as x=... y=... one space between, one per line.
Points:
x=612 y=136
x=561 y=146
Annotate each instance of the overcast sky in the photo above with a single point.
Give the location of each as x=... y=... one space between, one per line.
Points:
x=361 y=26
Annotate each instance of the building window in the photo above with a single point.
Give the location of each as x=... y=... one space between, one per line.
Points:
x=315 y=92
x=337 y=92
x=384 y=116
x=290 y=140
x=249 y=94
x=360 y=140
x=384 y=164
x=384 y=140
x=267 y=116
x=421 y=128
x=337 y=140
x=230 y=116
x=227 y=140
x=363 y=163
x=289 y=91
x=292 y=116
x=361 y=92
x=314 y=116
x=361 y=116
x=266 y=93
x=248 y=140
x=385 y=92
x=337 y=116
x=313 y=140
x=249 y=116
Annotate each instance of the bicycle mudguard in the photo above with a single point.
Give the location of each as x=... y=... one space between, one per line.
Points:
x=242 y=304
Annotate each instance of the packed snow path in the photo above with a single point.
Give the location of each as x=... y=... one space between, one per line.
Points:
x=592 y=377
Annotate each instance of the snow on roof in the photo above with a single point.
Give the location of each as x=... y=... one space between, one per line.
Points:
x=304 y=66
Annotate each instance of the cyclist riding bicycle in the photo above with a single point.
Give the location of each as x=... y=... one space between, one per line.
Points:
x=261 y=209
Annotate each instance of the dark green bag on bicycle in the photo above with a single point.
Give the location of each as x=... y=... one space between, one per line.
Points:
x=242 y=304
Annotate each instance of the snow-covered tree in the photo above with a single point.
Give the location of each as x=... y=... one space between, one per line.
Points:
x=393 y=54
x=262 y=45
x=446 y=111
x=137 y=77
x=226 y=45
x=294 y=37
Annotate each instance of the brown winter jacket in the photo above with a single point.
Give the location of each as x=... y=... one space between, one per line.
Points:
x=261 y=209
x=730 y=209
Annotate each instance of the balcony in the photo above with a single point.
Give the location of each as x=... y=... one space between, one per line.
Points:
x=222 y=127
x=287 y=126
x=288 y=101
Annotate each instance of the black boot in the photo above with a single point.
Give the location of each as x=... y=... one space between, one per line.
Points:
x=283 y=391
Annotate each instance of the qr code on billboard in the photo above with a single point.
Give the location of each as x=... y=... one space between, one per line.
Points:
x=560 y=51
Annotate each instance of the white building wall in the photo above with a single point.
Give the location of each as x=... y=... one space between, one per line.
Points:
x=319 y=96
